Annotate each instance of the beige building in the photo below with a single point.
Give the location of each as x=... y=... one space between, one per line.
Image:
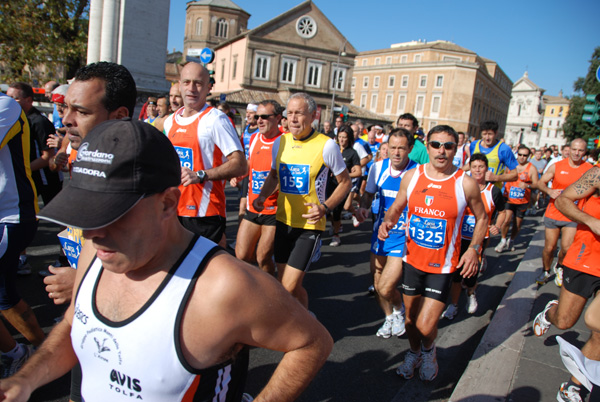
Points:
x=439 y=82
x=556 y=111
x=526 y=109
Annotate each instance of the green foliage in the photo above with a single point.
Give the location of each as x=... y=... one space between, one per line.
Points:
x=574 y=127
x=38 y=33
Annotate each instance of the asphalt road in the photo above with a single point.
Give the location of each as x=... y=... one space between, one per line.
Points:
x=361 y=366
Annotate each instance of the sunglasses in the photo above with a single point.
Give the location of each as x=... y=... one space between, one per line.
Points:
x=447 y=145
x=523 y=155
x=263 y=116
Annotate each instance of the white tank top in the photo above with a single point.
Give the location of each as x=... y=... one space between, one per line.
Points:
x=141 y=358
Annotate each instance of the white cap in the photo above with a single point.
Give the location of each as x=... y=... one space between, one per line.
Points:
x=252 y=107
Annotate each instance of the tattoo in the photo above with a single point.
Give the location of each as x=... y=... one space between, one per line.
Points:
x=590 y=179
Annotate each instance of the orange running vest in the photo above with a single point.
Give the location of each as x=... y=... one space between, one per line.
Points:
x=259 y=166
x=516 y=194
x=564 y=176
x=584 y=253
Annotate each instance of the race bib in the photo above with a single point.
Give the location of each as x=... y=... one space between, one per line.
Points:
x=467 y=227
x=400 y=226
x=516 y=193
x=294 y=178
x=258 y=180
x=427 y=232
x=186 y=157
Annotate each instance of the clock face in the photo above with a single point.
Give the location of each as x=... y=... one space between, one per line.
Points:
x=306 y=27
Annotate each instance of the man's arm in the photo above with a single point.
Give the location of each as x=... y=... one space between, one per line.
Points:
x=393 y=213
x=542 y=183
x=43 y=161
x=270 y=184
x=317 y=211
x=365 y=203
x=469 y=261
x=235 y=166
x=586 y=186
x=504 y=177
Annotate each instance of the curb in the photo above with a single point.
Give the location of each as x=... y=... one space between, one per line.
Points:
x=489 y=375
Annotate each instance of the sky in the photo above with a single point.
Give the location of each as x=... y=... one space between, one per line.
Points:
x=552 y=40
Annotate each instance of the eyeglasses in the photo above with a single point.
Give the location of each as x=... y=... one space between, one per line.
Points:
x=447 y=145
x=263 y=116
x=526 y=155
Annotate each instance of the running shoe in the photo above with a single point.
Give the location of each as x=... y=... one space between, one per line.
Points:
x=541 y=323
x=335 y=241
x=386 y=329
x=429 y=368
x=510 y=245
x=10 y=366
x=398 y=328
x=411 y=362
x=483 y=265
x=501 y=246
x=471 y=303
x=355 y=221
x=569 y=393
x=558 y=278
x=450 y=312
x=543 y=278
x=346 y=215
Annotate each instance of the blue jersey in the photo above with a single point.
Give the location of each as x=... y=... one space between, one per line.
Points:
x=374 y=148
x=246 y=135
x=387 y=188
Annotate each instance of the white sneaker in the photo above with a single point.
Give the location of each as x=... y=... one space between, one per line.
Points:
x=429 y=367
x=569 y=393
x=450 y=312
x=558 y=278
x=355 y=221
x=501 y=246
x=385 y=331
x=471 y=303
x=411 y=362
x=335 y=241
x=398 y=328
x=543 y=278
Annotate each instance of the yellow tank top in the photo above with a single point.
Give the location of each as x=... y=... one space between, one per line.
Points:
x=302 y=178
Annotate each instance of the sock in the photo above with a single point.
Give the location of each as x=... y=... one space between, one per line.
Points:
x=17 y=352
x=389 y=317
x=423 y=350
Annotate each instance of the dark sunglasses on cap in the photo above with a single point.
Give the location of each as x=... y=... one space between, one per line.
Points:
x=263 y=116
x=447 y=145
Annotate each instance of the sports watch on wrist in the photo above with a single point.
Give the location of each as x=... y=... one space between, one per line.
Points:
x=201 y=174
x=477 y=248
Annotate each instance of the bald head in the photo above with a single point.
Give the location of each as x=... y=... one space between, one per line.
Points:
x=194 y=86
x=49 y=87
x=577 y=151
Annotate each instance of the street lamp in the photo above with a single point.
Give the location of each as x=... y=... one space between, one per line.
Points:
x=341 y=52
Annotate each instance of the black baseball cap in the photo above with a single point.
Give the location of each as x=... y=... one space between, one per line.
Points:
x=118 y=163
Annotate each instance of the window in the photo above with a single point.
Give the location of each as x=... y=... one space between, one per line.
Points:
x=288 y=70
x=435 y=105
x=423 y=81
x=419 y=105
x=373 y=102
x=376 y=82
x=404 y=59
x=365 y=82
x=404 y=81
x=391 y=81
x=234 y=68
x=439 y=81
x=364 y=62
x=401 y=103
x=222 y=69
x=306 y=27
x=377 y=61
x=363 y=100
x=222 y=26
x=338 y=78
x=560 y=111
x=353 y=82
x=417 y=58
x=552 y=111
x=450 y=58
x=199 y=26
x=388 y=60
x=432 y=124
x=262 y=66
x=550 y=123
x=388 y=104
x=313 y=74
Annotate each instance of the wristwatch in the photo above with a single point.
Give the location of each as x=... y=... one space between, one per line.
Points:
x=477 y=248
x=201 y=174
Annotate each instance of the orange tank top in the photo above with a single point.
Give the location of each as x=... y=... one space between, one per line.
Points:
x=202 y=199
x=468 y=223
x=564 y=176
x=584 y=253
x=516 y=194
x=259 y=166
x=435 y=212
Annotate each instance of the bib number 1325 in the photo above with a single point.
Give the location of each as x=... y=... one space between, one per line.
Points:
x=427 y=232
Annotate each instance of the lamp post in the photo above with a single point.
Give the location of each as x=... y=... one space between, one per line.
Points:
x=341 y=52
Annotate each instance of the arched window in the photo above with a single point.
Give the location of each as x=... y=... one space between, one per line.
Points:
x=222 y=26
x=199 y=26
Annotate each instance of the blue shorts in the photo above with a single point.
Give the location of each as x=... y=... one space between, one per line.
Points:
x=393 y=246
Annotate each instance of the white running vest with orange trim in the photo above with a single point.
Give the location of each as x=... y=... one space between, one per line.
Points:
x=435 y=211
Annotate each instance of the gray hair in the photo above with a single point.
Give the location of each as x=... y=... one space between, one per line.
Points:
x=310 y=102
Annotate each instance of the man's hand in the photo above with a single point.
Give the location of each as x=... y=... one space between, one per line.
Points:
x=61 y=159
x=469 y=263
x=384 y=230
x=15 y=389
x=60 y=285
x=259 y=203
x=315 y=212
x=54 y=141
x=362 y=214
x=188 y=177
x=494 y=230
x=554 y=193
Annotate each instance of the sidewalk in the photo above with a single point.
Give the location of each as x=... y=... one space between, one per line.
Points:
x=511 y=363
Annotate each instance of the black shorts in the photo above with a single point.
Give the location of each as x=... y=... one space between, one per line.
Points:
x=418 y=283
x=580 y=283
x=356 y=183
x=457 y=277
x=210 y=227
x=295 y=247
x=260 y=219
x=517 y=209
x=244 y=187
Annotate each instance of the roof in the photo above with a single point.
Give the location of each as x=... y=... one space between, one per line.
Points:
x=525 y=78
x=416 y=45
x=557 y=100
x=218 y=3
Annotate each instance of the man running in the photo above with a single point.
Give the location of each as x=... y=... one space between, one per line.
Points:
x=256 y=234
x=384 y=179
x=562 y=174
x=499 y=155
x=210 y=153
x=301 y=163
x=436 y=194
x=580 y=202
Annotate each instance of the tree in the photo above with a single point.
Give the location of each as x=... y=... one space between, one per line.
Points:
x=574 y=127
x=42 y=33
